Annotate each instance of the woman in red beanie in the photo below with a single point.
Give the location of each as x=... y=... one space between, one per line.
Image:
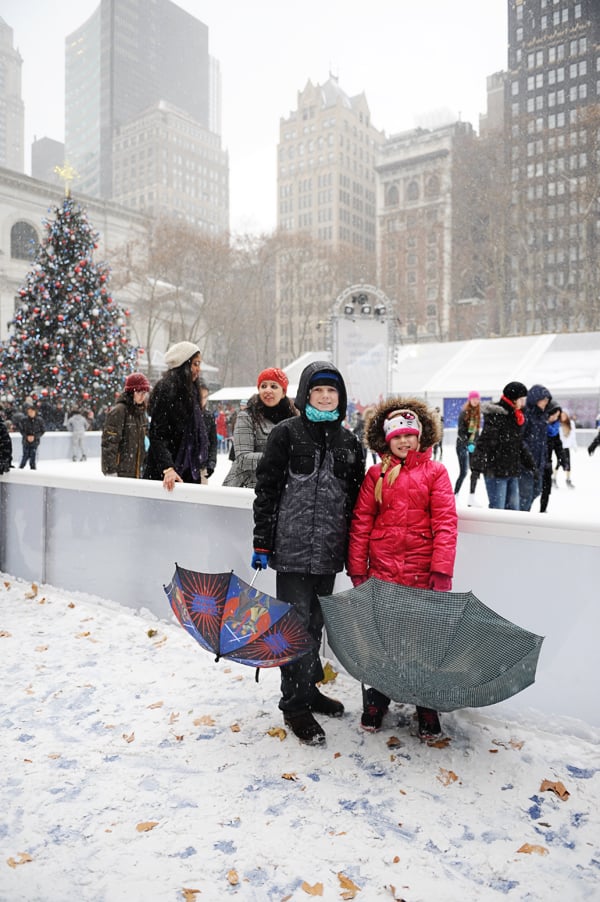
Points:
x=269 y=406
x=125 y=430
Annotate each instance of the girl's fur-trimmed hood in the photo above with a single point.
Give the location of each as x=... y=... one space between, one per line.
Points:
x=430 y=423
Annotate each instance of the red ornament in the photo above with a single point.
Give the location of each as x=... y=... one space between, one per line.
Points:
x=85 y=395
x=55 y=370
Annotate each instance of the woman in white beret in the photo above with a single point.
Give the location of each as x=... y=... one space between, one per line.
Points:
x=178 y=438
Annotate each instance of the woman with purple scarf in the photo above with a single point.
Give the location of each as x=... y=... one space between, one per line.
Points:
x=178 y=438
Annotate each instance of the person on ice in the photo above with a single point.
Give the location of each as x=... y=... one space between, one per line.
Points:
x=307 y=483
x=404 y=526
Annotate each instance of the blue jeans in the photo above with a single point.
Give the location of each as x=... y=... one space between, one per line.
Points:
x=530 y=486
x=503 y=492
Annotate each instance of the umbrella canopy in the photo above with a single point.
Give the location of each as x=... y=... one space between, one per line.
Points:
x=236 y=621
x=442 y=650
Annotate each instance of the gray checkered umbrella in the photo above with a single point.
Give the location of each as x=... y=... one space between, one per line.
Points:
x=442 y=650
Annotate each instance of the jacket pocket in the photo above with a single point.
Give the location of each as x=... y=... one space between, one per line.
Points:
x=302 y=464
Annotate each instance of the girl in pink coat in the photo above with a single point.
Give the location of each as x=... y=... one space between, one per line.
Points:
x=404 y=525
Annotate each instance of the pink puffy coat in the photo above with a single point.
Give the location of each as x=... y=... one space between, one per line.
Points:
x=412 y=533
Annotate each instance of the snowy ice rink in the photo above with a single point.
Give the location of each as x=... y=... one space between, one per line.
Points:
x=135 y=768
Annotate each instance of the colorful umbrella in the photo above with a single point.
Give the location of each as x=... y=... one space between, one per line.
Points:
x=231 y=618
x=441 y=650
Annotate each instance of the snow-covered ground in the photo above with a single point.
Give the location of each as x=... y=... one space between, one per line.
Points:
x=135 y=768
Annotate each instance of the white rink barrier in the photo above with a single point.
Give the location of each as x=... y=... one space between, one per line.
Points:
x=120 y=539
x=56 y=446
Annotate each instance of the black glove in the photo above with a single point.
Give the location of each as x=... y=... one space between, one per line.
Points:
x=209 y=472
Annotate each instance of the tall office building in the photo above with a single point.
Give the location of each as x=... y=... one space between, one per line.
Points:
x=129 y=57
x=553 y=135
x=326 y=167
x=165 y=163
x=426 y=230
x=12 y=111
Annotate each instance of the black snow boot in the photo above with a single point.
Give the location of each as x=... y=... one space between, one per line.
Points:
x=304 y=727
x=321 y=704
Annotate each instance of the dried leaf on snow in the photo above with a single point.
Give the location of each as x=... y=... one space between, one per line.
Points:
x=289 y=776
x=41 y=648
x=129 y=738
x=34 y=591
x=316 y=890
x=277 y=733
x=190 y=894
x=151 y=633
x=350 y=889
x=557 y=787
x=174 y=717
x=145 y=826
x=155 y=705
x=393 y=742
x=529 y=849
x=235 y=728
x=446 y=777
x=205 y=721
x=23 y=858
x=329 y=674
x=232 y=877
x=4 y=634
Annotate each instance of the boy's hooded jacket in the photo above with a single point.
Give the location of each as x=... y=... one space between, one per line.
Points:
x=307 y=482
x=412 y=532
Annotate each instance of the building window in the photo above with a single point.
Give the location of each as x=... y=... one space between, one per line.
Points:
x=432 y=187
x=23 y=241
x=412 y=191
x=392 y=197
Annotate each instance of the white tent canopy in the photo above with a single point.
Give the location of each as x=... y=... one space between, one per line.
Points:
x=568 y=364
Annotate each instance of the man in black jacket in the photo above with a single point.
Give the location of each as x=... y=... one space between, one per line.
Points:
x=307 y=483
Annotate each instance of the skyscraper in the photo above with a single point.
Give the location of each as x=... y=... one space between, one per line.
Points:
x=12 y=112
x=326 y=167
x=553 y=133
x=126 y=59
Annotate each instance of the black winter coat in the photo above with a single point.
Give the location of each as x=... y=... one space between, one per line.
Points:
x=535 y=431
x=307 y=484
x=500 y=451
x=5 y=448
x=34 y=426
x=170 y=409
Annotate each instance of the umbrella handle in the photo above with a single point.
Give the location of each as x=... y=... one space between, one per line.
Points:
x=256 y=572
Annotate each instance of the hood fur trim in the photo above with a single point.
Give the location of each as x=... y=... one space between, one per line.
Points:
x=374 y=434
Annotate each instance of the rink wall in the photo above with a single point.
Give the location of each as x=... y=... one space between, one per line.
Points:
x=120 y=538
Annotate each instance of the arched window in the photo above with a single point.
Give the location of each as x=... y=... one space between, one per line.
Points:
x=392 y=197
x=412 y=190
x=432 y=188
x=23 y=241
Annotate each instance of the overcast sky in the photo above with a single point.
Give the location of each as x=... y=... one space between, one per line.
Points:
x=411 y=58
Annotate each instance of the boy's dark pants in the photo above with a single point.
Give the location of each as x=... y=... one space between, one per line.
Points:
x=299 y=679
x=29 y=453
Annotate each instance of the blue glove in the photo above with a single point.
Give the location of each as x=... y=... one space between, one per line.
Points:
x=260 y=560
x=470 y=447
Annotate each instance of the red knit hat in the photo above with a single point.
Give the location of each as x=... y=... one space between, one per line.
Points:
x=137 y=382
x=273 y=374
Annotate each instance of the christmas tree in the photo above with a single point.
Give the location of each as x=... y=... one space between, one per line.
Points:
x=68 y=339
